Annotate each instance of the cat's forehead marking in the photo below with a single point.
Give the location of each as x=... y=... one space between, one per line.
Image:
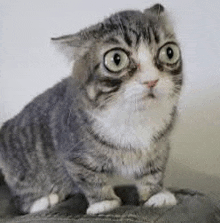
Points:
x=144 y=55
x=111 y=40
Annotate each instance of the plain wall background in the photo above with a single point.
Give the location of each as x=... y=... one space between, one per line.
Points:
x=29 y=64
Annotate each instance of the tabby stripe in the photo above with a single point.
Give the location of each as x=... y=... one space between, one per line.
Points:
x=9 y=141
x=23 y=137
x=28 y=134
x=16 y=141
x=20 y=147
x=150 y=170
x=13 y=151
x=105 y=94
x=178 y=80
x=30 y=147
x=92 y=74
x=107 y=86
x=176 y=90
x=168 y=126
x=96 y=67
x=37 y=143
x=177 y=71
x=156 y=36
x=3 y=132
x=46 y=140
x=137 y=35
x=138 y=39
x=87 y=167
x=112 y=40
x=148 y=35
x=99 y=139
x=127 y=39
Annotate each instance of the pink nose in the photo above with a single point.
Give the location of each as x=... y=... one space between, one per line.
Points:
x=151 y=84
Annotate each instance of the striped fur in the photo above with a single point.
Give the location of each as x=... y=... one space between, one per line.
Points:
x=96 y=123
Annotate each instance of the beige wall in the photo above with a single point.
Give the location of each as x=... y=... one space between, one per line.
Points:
x=195 y=155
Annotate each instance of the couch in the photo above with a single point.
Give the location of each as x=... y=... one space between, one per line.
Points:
x=192 y=207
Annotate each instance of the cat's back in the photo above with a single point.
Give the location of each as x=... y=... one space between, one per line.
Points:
x=40 y=107
x=26 y=142
x=31 y=127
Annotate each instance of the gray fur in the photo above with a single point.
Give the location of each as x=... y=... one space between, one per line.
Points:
x=53 y=145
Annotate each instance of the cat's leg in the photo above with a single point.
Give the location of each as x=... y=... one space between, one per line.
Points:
x=100 y=195
x=152 y=193
x=33 y=202
x=44 y=202
x=162 y=198
x=110 y=201
x=35 y=197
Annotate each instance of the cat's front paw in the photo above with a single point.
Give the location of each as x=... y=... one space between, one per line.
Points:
x=161 y=199
x=44 y=203
x=103 y=206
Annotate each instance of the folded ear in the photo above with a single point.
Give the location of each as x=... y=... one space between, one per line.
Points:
x=73 y=46
x=68 y=45
x=76 y=45
x=157 y=10
x=161 y=15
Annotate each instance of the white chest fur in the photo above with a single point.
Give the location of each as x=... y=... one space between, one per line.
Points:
x=123 y=126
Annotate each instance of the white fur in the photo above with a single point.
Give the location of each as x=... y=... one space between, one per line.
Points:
x=163 y=198
x=103 y=206
x=40 y=205
x=44 y=203
x=53 y=199
x=148 y=71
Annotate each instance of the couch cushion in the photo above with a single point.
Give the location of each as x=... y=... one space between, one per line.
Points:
x=192 y=207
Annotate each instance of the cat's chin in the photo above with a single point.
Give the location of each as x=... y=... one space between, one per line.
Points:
x=147 y=105
x=150 y=102
x=151 y=98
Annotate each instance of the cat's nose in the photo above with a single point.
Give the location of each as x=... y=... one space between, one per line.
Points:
x=151 y=84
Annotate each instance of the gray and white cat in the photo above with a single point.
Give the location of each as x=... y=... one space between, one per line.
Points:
x=112 y=116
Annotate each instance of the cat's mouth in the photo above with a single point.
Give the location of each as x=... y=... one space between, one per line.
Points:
x=151 y=95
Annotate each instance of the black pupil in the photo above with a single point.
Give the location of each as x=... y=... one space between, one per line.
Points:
x=117 y=59
x=170 y=53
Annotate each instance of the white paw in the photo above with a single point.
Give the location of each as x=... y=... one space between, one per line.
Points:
x=44 y=202
x=163 y=198
x=103 y=206
x=40 y=205
x=53 y=199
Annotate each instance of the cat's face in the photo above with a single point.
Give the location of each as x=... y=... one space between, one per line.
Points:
x=131 y=60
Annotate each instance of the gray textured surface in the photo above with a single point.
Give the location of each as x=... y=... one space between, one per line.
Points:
x=192 y=207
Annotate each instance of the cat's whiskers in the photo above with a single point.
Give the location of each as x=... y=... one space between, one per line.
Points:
x=104 y=102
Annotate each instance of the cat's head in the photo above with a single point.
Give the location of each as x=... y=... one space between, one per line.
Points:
x=131 y=58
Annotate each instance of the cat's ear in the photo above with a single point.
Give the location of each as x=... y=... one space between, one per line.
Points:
x=157 y=10
x=161 y=15
x=76 y=45
x=69 y=45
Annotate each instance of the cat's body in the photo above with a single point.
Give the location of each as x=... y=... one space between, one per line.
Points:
x=113 y=115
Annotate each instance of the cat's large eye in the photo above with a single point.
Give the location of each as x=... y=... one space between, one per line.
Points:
x=116 y=60
x=169 y=54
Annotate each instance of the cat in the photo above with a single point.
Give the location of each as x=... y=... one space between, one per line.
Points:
x=112 y=116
